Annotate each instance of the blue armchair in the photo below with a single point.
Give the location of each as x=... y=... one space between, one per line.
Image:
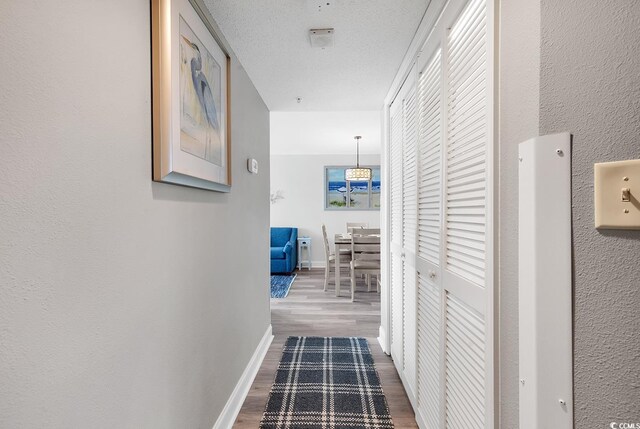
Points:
x=284 y=249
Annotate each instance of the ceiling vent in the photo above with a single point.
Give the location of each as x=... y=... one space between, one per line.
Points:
x=321 y=37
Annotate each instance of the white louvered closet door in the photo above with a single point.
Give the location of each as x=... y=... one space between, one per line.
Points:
x=454 y=266
x=409 y=229
x=430 y=324
x=467 y=293
x=396 y=284
x=404 y=182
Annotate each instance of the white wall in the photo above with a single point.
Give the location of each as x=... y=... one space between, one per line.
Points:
x=325 y=133
x=123 y=303
x=301 y=180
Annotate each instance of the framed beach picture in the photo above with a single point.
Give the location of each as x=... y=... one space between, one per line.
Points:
x=190 y=74
x=340 y=194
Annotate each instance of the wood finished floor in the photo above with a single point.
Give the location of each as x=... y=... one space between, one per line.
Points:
x=309 y=311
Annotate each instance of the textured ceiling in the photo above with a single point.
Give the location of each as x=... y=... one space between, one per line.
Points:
x=271 y=40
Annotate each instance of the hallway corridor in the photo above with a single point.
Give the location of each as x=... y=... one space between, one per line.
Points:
x=309 y=311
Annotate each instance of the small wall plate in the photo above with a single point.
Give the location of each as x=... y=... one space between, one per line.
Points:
x=252 y=166
x=321 y=37
x=617 y=194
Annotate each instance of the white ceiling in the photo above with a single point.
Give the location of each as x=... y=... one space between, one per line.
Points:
x=270 y=37
x=316 y=133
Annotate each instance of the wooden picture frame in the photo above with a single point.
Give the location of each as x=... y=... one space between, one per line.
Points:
x=191 y=98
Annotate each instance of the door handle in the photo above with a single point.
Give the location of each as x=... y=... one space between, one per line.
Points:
x=432 y=274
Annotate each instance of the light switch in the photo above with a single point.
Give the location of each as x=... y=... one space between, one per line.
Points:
x=617 y=194
x=252 y=166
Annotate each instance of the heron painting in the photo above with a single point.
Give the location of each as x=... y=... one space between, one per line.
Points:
x=190 y=69
x=200 y=99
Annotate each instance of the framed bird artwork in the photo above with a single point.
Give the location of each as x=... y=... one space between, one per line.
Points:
x=191 y=117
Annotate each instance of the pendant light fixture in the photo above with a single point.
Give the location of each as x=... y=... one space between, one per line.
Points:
x=357 y=174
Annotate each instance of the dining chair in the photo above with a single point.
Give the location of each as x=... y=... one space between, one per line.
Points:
x=367 y=231
x=354 y=225
x=365 y=259
x=359 y=227
x=330 y=258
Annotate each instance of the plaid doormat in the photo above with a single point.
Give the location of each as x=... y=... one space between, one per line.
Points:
x=326 y=383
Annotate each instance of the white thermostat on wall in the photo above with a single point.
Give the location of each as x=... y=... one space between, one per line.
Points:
x=252 y=165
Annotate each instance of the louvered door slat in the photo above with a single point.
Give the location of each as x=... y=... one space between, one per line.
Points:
x=410 y=170
x=397 y=310
x=470 y=231
x=471 y=41
x=467 y=19
x=465 y=208
x=474 y=350
x=477 y=210
x=465 y=357
x=458 y=389
x=467 y=90
x=465 y=182
x=465 y=125
x=466 y=63
x=474 y=150
x=467 y=166
x=396 y=171
x=469 y=23
x=474 y=137
x=469 y=244
x=429 y=230
x=409 y=320
x=465 y=267
x=470 y=186
x=410 y=220
x=472 y=198
x=466 y=114
x=429 y=352
x=476 y=171
x=396 y=174
x=430 y=141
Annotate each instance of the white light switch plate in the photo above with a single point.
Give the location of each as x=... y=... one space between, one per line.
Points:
x=611 y=180
x=252 y=165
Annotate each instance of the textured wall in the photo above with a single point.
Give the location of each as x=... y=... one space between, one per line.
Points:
x=590 y=86
x=303 y=205
x=123 y=303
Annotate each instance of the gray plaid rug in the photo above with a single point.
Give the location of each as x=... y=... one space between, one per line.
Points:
x=326 y=383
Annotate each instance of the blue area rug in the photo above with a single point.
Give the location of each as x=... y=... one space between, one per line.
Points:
x=327 y=382
x=280 y=285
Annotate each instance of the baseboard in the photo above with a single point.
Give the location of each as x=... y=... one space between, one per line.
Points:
x=317 y=264
x=314 y=264
x=233 y=405
x=382 y=339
